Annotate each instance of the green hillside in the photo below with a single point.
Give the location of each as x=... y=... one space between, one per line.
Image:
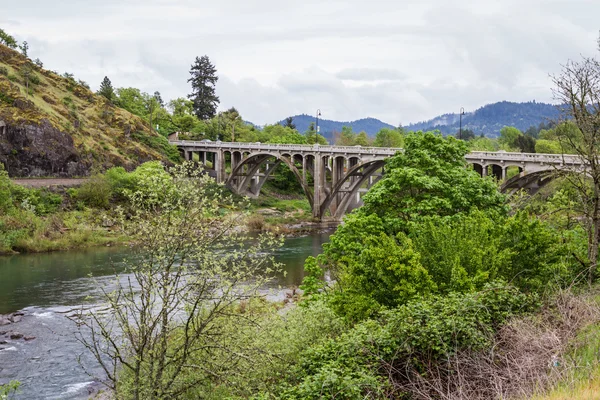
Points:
x=55 y=125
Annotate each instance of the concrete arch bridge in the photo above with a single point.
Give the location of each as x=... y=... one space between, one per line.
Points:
x=333 y=178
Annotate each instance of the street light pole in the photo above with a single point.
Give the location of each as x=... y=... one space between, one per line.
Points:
x=462 y=112
x=317 y=128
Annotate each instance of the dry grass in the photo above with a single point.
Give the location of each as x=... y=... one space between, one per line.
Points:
x=530 y=355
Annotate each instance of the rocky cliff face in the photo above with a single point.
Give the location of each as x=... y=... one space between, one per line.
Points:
x=39 y=150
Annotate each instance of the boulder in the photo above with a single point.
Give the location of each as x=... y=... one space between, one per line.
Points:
x=28 y=338
x=16 y=336
x=4 y=320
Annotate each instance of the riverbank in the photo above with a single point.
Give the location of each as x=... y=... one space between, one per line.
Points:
x=45 y=215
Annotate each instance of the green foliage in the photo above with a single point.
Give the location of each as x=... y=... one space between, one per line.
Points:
x=465 y=252
x=483 y=144
x=548 y=147
x=313 y=282
x=7 y=389
x=159 y=143
x=96 y=192
x=7 y=39
x=3 y=70
x=387 y=273
x=203 y=80
x=106 y=89
x=410 y=337
x=389 y=138
x=429 y=178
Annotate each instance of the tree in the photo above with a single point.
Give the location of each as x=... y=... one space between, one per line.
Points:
x=508 y=137
x=166 y=323
x=289 y=123
x=346 y=137
x=231 y=119
x=389 y=138
x=313 y=137
x=27 y=72
x=106 y=89
x=38 y=62
x=578 y=89
x=7 y=39
x=24 y=48
x=159 y=99
x=203 y=80
x=429 y=178
x=362 y=139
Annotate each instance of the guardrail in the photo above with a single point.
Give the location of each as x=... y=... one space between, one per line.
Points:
x=293 y=147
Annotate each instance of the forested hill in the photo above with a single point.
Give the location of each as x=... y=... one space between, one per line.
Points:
x=488 y=120
x=491 y=118
x=370 y=125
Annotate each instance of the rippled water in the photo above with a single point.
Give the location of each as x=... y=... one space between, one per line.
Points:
x=47 y=287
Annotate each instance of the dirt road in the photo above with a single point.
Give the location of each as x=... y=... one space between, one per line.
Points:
x=40 y=183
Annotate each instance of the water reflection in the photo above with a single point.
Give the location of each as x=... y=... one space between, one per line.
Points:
x=63 y=278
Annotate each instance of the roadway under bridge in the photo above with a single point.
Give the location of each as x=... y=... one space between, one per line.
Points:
x=333 y=178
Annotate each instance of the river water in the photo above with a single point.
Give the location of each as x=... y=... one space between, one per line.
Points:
x=46 y=288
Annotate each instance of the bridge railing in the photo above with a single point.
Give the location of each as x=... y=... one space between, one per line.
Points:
x=570 y=159
x=474 y=156
x=291 y=147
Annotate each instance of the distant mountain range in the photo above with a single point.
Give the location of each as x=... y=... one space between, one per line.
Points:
x=370 y=125
x=488 y=120
x=491 y=118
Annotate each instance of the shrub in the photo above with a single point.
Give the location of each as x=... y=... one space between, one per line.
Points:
x=3 y=71
x=256 y=222
x=408 y=338
x=33 y=78
x=96 y=192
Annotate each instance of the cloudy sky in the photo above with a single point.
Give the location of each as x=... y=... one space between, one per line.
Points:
x=400 y=61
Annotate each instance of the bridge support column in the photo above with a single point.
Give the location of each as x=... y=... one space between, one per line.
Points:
x=318 y=186
x=219 y=165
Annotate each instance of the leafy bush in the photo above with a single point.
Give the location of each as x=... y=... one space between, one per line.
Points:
x=409 y=337
x=3 y=71
x=96 y=192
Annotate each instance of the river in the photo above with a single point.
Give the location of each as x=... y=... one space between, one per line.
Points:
x=46 y=288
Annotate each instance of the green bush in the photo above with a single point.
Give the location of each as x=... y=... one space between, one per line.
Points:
x=33 y=78
x=3 y=71
x=410 y=337
x=96 y=192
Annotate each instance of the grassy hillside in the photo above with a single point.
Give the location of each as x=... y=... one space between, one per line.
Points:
x=103 y=135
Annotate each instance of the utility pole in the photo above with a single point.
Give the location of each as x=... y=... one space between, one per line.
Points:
x=462 y=112
x=317 y=128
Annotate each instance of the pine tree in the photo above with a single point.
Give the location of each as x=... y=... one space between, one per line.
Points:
x=106 y=89
x=25 y=48
x=203 y=82
x=289 y=123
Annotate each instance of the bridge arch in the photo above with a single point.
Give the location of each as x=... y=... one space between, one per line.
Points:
x=355 y=181
x=245 y=172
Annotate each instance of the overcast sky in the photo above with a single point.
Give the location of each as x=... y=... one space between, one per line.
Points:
x=400 y=61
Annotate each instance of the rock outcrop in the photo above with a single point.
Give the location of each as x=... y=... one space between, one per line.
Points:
x=28 y=150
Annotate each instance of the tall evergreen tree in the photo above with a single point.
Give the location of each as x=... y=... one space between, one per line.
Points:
x=289 y=123
x=106 y=89
x=203 y=79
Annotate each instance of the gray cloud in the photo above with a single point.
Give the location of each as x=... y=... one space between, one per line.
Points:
x=397 y=61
